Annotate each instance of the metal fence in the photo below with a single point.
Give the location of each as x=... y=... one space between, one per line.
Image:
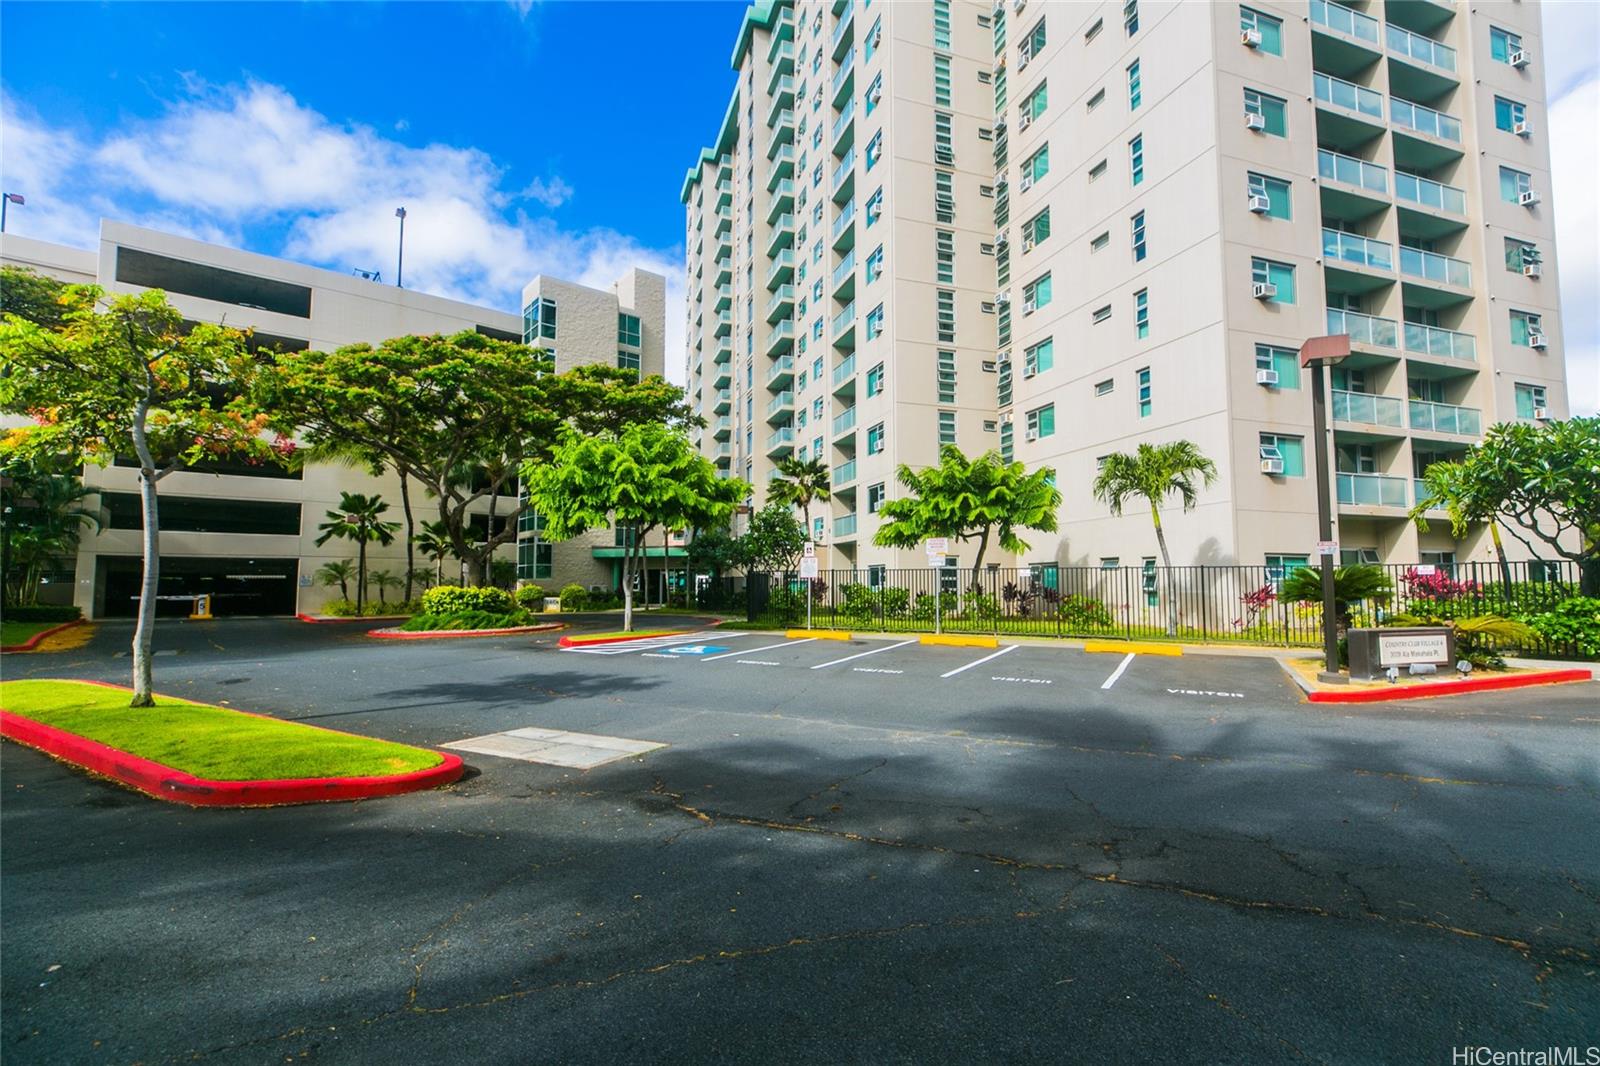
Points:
x=1192 y=603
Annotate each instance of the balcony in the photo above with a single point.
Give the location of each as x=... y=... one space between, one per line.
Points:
x=1440 y=343
x=724 y=401
x=844 y=129
x=1348 y=170
x=1366 y=409
x=844 y=376
x=724 y=297
x=843 y=283
x=722 y=376
x=844 y=422
x=781 y=440
x=723 y=452
x=781 y=374
x=844 y=34
x=844 y=527
x=844 y=80
x=844 y=228
x=782 y=303
x=724 y=324
x=1366 y=331
x=781 y=56
x=722 y=428
x=1416 y=118
x=1345 y=20
x=782 y=133
x=1425 y=69
x=1425 y=192
x=843 y=332
x=782 y=166
x=844 y=476
x=724 y=352
x=1347 y=98
x=844 y=177
x=1422 y=16
x=724 y=245
x=781 y=409
x=1429 y=417
x=781 y=337
x=1340 y=248
x=1343 y=41
x=724 y=192
x=1435 y=268
x=782 y=235
x=1419 y=492
x=723 y=271
x=1419 y=49
x=782 y=200
x=782 y=92
x=1371 y=490
x=724 y=221
x=781 y=270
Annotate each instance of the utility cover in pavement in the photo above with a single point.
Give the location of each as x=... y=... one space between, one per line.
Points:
x=556 y=747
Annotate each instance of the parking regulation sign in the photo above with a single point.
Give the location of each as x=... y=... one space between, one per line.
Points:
x=810 y=569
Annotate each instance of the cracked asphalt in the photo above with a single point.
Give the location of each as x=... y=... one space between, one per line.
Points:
x=909 y=856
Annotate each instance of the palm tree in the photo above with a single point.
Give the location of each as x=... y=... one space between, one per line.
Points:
x=434 y=540
x=359 y=518
x=800 y=482
x=338 y=573
x=1153 y=473
x=345 y=453
x=1350 y=585
x=44 y=522
x=383 y=579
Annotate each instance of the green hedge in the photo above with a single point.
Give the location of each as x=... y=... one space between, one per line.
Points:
x=531 y=597
x=432 y=623
x=44 y=612
x=455 y=599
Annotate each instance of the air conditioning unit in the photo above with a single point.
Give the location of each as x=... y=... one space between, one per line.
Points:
x=1518 y=59
x=1532 y=270
x=1253 y=121
x=1027 y=243
x=1024 y=120
x=1005 y=419
x=1522 y=129
x=1004 y=357
x=1022 y=60
x=1002 y=298
x=1029 y=307
x=999 y=126
x=1272 y=466
x=877 y=35
x=1031 y=434
x=1541 y=414
x=1259 y=204
x=876 y=95
x=999 y=182
x=1536 y=340
x=1028 y=372
x=1000 y=239
x=1250 y=38
x=874 y=210
x=1263 y=290
x=1018 y=5
x=1026 y=183
x=1266 y=377
x=1528 y=199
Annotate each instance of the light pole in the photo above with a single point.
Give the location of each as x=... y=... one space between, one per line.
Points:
x=5 y=202
x=400 y=265
x=1315 y=354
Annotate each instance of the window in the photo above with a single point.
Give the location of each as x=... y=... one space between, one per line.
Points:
x=1002 y=383
x=875 y=322
x=816 y=449
x=874 y=93
x=1521 y=254
x=1105 y=388
x=1093 y=31
x=1524 y=326
x=1110 y=562
x=1136 y=159
x=1036 y=229
x=1042 y=422
x=1147 y=581
x=1035 y=103
x=1508 y=114
x=1003 y=326
x=628 y=329
x=1036 y=165
x=1138 y=237
x=941 y=24
x=1039 y=358
x=870 y=42
x=1270 y=29
x=1272 y=109
x=874 y=266
x=1097 y=171
x=1134 y=93
x=1036 y=294
x=1358 y=557
x=1530 y=398
x=538 y=320
x=875 y=439
x=1100 y=242
x=875 y=380
x=535 y=559
x=944 y=243
x=1286 y=361
x=1278 y=274
x=874 y=207
x=1291 y=450
x=628 y=360
x=1281 y=566
x=875 y=497
x=1000 y=92
x=1101 y=314
x=1145 y=392
x=1141 y=314
x=1276 y=192
x=1513 y=183
x=1503 y=44
x=947 y=377
x=816 y=409
x=947 y=315
x=874 y=151
x=1008 y=450
x=944 y=200
x=941 y=80
x=947 y=427
x=1095 y=101
x=877 y=575
x=204 y=514
x=1130 y=17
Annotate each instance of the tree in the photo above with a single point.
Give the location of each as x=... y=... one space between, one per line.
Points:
x=641 y=478
x=798 y=483
x=33 y=297
x=384 y=579
x=1466 y=496
x=431 y=405
x=359 y=518
x=1152 y=473
x=434 y=540
x=128 y=376
x=964 y=498
x=346 y=453
x=1350 y=585
x=44 y=522
x=775 y=540
x=340 y=572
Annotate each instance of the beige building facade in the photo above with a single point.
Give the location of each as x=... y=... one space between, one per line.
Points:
x=1063 y=230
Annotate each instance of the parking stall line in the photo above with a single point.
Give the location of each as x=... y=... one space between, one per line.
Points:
x=980 y=662
x=863 y=654
x=1123 y=665
x=752 y=651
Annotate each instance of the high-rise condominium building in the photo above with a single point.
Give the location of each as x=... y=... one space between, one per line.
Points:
x=1062 y=230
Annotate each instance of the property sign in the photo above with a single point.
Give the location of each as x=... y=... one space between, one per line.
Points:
x=1425 y=569
x=810 y=569
x=936 y=545
x=936 y=561
x=1406 y=648
x=811 y=550
x=1327 y=547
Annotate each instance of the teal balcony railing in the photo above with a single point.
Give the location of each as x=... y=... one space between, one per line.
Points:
x=1429 y=193
x=1354 y=248
x=1347 y=95
x=1367 y=409
x=1406 y=115
x=1363 y=329
x=1343 y=19
x=1348 y=170
x=1445 y=343
x=1432 y=417
x=1371 y=490
x=1431 y=266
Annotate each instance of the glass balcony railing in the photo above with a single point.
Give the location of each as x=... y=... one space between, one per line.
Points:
x=1402 y=42
x=1406 y=115
x=1416 y=263
x=845 y=526
x=1429 y=193
x=846 y=216
x=1348 y=170
x=780 y=402
x=1367 y=409
x=780 y=368
x=1363 y=329
x=1343 y=19
x=844 y=119
x=843 y=371
x=1419 y=492
x=781 y=438
x=723 y=450
x=1445 y=343
x=844 y=319
x=1354 y=248
x=1348 y=95
x=724 y=399
x=845 y=167
x=1445 y=418
x=1371 y=490
x=843 y=474
x=842 y=75
x=844 y=421
x=843 y=270
x=783 y=294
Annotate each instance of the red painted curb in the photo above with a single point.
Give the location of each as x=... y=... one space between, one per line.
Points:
x=442 y=634
x=315 y=621
x=585 y=642
x=33 y=641
x=176 y=786
x=1450 y=688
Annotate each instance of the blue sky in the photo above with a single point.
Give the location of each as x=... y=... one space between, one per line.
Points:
x=522 y=137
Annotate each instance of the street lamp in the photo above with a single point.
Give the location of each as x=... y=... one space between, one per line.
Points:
x=1314 y=355
x=400 y=266
x=5 y=202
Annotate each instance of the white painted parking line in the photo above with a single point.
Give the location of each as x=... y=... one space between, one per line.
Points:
x=1123 y=665
x=758 y=662
x=877 y=670
x=648 y=644
x=863 y=654
x=752 y=651
x=980 y=662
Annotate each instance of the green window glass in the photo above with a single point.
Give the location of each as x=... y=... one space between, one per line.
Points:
x=1281 y=566
x=1036 y=294
x=1037 y=165
x=1146 y=393
x=1513 y=183
x=1034 y=43
x=1037 y=101
x=941 y=80
x=1039 y=358
x=941 y=24
x=1292 y=450
x=1278 y=274
x=1002 y=386
x=875 y=380
x=1139 y=249
x=874 y=322
x=1529 y=399
x=1141 y=314
x=1136 y=159
x=1270 y=29
x=1272 y=109
x=1523 y=326
x=628 y=360
x=535 y=560
x=1036 y=228
x=1521 y=254
x=1502 y=43
x=947 y=427
x=1286 y=361
x=875 y=439
x=1135 y=93
x=1276 y=190
x=1147 y=580
x=1008 y=448
x=628 y=331
x=1042 y=422
x=947 y=377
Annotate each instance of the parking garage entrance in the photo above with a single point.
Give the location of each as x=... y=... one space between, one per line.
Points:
x=237 y=586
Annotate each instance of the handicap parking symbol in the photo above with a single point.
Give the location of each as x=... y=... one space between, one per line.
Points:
x=695 y=649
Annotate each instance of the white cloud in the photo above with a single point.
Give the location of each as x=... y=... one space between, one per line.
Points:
x=1571 y=41
x=224 y=162
x=1574 y=161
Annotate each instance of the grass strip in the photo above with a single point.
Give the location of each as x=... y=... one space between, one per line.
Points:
x=209 y=742
x=12 y=633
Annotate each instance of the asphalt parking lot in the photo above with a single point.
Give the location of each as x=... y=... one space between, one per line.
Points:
x=846 y=851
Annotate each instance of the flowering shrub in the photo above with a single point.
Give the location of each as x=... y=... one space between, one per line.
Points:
x=1437 y=585
x=1254 y=603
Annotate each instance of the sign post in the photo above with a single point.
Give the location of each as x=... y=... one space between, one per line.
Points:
x=1315 y=354
x=936 y=548
x=809 y=573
